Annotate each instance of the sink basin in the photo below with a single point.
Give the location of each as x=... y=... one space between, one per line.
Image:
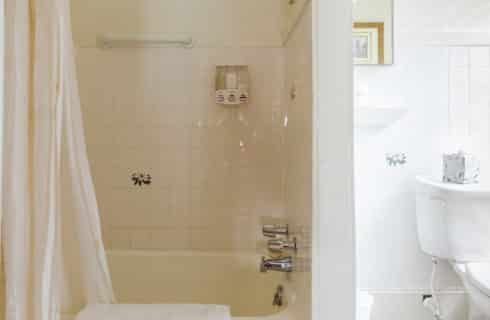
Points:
x=377 y=116
x=453 y=221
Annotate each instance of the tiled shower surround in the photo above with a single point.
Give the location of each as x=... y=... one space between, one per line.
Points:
x=215 y=170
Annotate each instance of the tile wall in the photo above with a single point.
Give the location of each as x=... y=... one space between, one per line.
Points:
x=215 y=171
x=469 y=98
x=298 y=155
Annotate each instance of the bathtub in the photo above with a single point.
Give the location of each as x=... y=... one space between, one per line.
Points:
x=198 y=277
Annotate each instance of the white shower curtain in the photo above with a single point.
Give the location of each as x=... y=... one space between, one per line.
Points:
x=53 y=253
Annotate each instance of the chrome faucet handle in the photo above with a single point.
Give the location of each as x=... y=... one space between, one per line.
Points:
x=278 y=245
x=283 y=264
x=274 y=230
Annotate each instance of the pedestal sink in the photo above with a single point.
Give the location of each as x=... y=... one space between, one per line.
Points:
x=377 y=116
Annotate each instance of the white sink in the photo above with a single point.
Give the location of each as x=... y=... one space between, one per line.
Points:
x=377 y=116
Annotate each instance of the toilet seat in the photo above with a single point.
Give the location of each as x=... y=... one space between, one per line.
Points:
x=478 y=274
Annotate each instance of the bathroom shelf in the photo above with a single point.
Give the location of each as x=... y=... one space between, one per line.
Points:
x=377 y=116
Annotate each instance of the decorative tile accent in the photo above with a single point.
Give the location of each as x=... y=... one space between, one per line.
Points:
x=140 y=179
x=396 y=159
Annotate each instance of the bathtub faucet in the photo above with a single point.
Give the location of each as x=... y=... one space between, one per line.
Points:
x=275 y=230
x=283 y=264
x=278 y=245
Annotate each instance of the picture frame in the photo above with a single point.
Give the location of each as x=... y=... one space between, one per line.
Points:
x=368 y=43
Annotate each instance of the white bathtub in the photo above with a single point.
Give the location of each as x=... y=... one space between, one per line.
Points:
x=226 y=278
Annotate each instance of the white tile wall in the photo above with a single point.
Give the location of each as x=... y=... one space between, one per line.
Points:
x=447 y=93
x=469 y=102
x=215 y=170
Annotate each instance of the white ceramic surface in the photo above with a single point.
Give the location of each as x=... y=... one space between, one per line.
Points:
x=479 y=300
x=453 y=223
x=377 y=116
x=478 y=274
x=193 y=277
x=453 y=220
x=155 y=312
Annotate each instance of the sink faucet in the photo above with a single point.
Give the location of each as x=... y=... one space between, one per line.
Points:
x=282 y=264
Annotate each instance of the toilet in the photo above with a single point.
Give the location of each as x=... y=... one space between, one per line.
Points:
x=453 y=223
x=476 y=279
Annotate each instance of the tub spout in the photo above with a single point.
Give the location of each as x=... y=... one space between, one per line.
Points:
x=278 y=297
x=283 y=264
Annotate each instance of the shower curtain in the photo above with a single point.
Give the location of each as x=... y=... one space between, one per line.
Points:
x=53 y=254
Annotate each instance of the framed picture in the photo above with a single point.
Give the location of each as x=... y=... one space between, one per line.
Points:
x=368 y=43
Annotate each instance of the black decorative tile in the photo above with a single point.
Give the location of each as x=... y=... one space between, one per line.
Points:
x=141 y=179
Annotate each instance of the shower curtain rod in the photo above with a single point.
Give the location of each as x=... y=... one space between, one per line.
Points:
x=108 y=41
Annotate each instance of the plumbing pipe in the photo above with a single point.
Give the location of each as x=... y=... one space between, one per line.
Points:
x=431 y=301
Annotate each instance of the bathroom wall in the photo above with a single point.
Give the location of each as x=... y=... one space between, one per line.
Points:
x=211 y=22
x=446 y=93
x=298 y=154
x=216 y=171
x=291 y=15
x=390 y=264
x=469 y=97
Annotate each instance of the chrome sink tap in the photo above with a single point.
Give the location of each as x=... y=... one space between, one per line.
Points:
x=283 y=264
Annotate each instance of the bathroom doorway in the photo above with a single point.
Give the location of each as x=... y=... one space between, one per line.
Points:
x=208 y=133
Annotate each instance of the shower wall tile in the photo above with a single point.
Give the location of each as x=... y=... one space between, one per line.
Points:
x=170 y=239
x=212 y=23
x=298 y=154
x=159 y=239
x=215 y=170
x=246 y=231
x=141 y=239
x=211 y=239
x=118 y=238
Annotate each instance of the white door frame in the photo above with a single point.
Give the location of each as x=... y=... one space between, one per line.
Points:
x=333 y=258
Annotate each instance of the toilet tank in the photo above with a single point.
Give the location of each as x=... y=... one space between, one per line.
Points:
x=453 y=221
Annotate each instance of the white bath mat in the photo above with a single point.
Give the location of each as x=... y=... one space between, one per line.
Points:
x=155 y=312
